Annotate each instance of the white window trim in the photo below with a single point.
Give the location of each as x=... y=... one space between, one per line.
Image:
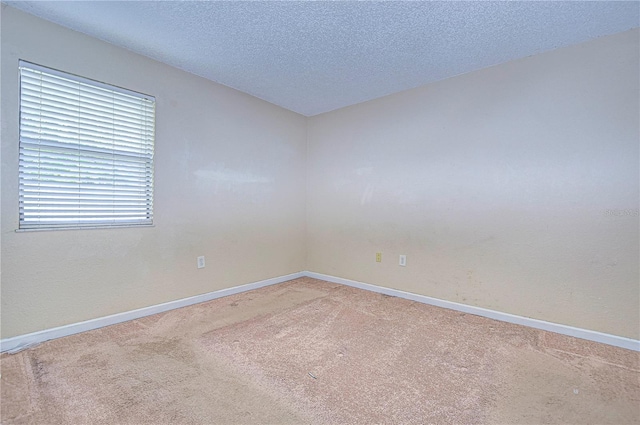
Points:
x=94 y=163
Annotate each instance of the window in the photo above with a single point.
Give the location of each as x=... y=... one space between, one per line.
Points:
x=86 y=152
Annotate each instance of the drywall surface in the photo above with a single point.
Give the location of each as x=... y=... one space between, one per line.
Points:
x=229 y=185
x=316 y=56
x=513 y=188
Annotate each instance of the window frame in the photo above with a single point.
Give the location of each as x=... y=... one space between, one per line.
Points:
x=84 y=152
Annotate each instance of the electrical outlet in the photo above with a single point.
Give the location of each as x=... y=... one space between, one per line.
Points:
x=403 y=260
x=201 y=262
x=378 y=257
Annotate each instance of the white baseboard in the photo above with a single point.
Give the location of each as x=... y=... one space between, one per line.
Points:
x=21 y=342
x=618 y=341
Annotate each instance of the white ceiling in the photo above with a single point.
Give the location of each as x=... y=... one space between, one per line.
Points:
x=313 y=57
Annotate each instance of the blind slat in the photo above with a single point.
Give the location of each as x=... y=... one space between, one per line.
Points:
x=47 y=120
x=34 y=95
x=67 y=82
x=52 y=148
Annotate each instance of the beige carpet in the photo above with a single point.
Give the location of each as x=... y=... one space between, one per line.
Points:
x=308 y=351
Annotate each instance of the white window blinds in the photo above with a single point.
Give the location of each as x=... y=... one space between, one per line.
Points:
x=86 y=152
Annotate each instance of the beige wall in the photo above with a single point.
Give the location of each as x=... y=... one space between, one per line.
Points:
x=495 y=184
x=229 y=185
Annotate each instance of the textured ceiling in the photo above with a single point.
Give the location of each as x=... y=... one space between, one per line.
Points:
x=313 y=57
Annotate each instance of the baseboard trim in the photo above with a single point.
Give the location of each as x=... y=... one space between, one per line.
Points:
x=617 y=341
x=20 y=342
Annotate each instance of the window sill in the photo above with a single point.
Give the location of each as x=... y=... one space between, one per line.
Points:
x=49 y=229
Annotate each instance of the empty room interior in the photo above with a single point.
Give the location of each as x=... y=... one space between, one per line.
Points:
x=320 y=212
